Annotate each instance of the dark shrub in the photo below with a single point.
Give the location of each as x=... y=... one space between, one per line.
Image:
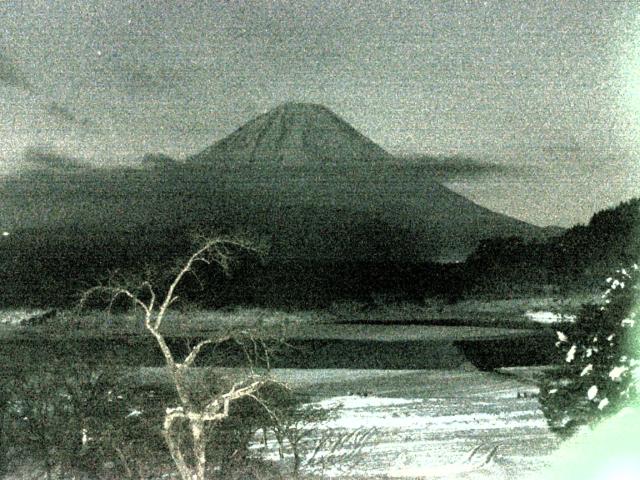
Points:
x=73 y=418
x=599 y=375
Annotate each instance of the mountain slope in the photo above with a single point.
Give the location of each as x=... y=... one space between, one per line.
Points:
x=302 y=178
x=300 y=158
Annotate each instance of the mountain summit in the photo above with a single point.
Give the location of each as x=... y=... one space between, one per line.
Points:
x=294 y=133
x=308 y=180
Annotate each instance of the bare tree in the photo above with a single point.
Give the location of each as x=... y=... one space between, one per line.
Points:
x=191 y=464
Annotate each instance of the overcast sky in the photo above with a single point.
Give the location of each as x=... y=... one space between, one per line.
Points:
x=549 y=88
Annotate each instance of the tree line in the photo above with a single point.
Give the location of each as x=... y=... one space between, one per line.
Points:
x=50 y=267
x=577 y=259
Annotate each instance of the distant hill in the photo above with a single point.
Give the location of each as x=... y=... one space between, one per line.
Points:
x=577 y=258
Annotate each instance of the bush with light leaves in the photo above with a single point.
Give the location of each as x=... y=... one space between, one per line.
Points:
x=601 y=370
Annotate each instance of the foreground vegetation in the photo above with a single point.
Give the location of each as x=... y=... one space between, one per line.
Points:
x=70 y=420
x=600 y=374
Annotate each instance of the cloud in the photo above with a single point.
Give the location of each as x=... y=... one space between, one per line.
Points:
x=65 y=115
x=456 y=167
x=137 y=77
x=569 y=147
x=158 y=160
x=61 y=112
x=12 y=75
x=41 y=158
x=150 y=78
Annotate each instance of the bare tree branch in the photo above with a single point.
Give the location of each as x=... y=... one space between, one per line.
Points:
x=174 y=449
x=235 y=393
x=115 y=293
x=195 y=351
x=219 y=251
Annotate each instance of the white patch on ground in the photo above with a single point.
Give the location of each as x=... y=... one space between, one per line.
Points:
x=412 y=414
x=547 y=317
x=350 y=402
x=431 y=435
x=16 y=317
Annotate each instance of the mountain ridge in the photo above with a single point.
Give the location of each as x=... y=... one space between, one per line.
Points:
x=303 y=153
x=311 y=202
